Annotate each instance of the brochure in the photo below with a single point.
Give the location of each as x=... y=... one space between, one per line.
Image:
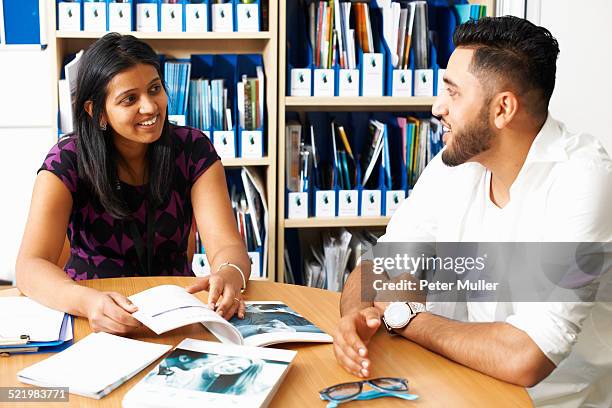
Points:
x=200 y=374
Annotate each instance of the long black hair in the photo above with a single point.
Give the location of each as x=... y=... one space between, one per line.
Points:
x=97 y=156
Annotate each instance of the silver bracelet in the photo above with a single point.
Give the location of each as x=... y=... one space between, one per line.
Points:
x=238 y=269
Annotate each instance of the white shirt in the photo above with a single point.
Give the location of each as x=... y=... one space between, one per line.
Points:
x=562 y=193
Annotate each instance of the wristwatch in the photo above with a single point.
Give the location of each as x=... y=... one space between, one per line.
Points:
x=398 y=314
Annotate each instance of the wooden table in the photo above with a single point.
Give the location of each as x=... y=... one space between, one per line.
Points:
x=438 y=381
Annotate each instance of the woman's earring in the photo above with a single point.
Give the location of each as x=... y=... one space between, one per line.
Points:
x=103 y=126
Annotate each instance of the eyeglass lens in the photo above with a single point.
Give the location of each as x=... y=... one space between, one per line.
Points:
x=344 y=391
x=390 y=384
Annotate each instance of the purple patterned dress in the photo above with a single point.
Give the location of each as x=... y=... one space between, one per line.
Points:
x=101 y=246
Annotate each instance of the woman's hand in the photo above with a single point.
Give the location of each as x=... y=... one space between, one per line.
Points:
x=111 y=312
x=223 y=292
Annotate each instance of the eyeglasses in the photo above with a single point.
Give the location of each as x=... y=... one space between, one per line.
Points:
x=351 y=391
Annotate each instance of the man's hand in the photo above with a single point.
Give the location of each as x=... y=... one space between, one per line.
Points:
x=354 y=332
x=111 y=312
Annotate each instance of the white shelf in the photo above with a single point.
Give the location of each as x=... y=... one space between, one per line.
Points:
x=240 y=161
x=358 y=103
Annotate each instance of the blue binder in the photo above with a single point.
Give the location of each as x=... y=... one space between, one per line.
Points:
x=43 y=347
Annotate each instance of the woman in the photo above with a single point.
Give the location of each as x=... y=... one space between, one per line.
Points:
x=125 y=186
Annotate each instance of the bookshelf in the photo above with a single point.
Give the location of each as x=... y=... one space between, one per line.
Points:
x=328 y=104
x=182 y=45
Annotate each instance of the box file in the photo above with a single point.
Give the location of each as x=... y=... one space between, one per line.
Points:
x=301 y=82
x=196 y=16
x=94 y=16
x=299 y=53
x=222 y=15
x=325 y=203
x=120 y=16
x=247 y=16
x=172 y=17
x=348 y=203
x=297 y=205
x=147 y=16
x=251 y=139
x=371 y=203
x=393 y=200
x=348 y=82
x=69 y=16
x=323 y=82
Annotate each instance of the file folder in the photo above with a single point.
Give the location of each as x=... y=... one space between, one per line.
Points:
x=248 y=16
x=172 y=16
x=94 y=16
x=299 y=52
x=65 y=340
x=147 y=15
x=250 y=141
x=196 y=16
x=120 y=16
x=222 y=15
x=69 y=15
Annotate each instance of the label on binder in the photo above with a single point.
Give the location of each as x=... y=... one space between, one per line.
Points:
x=348 y=84
x=298 y=205
x=120 y=17
x=225 y=143
x=196 y=18
x=423 y=82
x=393 y=199
x=94 y=17
x=200 y=265
x=323 y=82
x=251 y=144
x=222 y=18
x=247 y=16
x=441 y=81
x=171 y=18
x=347 y=203
x=255 y=264
x=325 y=203
x=372 y=68
x=146 y=17
x=69 y=16
x=300 y=82
x=177 y=120
x=371 y=204
x=402 y=82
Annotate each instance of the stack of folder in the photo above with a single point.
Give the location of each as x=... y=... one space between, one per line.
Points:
x=29 y=327
x=352 y=164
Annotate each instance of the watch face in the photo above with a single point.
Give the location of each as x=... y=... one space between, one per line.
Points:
x=397 y=315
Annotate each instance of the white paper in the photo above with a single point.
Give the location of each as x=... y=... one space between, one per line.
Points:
x=166 y=307
x=21 y=315
x=95 y=365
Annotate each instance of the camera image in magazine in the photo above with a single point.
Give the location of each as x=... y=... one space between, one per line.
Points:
x=199 y=373
x=268 y=323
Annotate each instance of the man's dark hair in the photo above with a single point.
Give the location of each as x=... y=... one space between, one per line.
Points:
x=97 y=157
x=514 y=49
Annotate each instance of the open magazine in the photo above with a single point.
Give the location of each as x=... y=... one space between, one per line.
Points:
x=167 y=307
x=200 y=374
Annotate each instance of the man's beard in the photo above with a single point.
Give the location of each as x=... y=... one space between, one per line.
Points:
x=474 y=139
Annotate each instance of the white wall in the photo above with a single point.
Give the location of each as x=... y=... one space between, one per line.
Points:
x=583 y=94
x=26 y=115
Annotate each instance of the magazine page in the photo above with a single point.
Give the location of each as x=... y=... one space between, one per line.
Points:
x=274 y=322
x=200 y=374
x=166 y=307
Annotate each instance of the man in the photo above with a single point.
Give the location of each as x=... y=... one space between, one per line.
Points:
x=509 y=172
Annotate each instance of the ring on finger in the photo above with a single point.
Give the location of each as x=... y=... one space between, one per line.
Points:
x=236 y=300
